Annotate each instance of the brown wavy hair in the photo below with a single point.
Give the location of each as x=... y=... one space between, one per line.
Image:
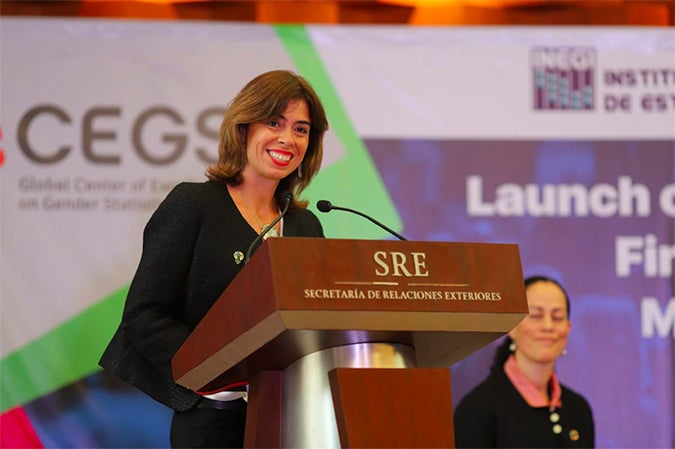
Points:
x=262 y=99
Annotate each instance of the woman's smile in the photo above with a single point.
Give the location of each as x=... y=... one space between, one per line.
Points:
x=280 y=157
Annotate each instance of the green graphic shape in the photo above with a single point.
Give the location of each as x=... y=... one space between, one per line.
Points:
x=352 y=181
x=62 y=356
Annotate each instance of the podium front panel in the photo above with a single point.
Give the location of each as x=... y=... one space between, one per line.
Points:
x=300 y=295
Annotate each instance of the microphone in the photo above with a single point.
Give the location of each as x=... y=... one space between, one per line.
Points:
x=326 y=206
x=286 y=198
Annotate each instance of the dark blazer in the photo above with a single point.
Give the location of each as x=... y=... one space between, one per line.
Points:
x=186 y=263
x=494 y=414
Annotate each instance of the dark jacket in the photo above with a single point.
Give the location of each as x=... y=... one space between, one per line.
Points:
x=187 y=261
x=494 y=414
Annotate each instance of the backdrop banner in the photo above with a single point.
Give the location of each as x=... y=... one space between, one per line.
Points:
x=561 y=140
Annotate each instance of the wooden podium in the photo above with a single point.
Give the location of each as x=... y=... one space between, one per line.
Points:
x=383 y=319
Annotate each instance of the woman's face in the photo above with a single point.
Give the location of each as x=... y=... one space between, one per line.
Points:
x=276 y=148
x=542 y=335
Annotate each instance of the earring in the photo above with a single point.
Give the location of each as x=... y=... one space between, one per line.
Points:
x=564 y=351
x=512 y=346
x=300 y=171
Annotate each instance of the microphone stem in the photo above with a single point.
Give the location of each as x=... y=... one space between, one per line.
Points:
x=372 y=220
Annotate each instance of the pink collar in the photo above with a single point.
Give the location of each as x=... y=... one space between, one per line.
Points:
x=527 y=389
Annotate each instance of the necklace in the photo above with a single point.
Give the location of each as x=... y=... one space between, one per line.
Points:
x=253 y=214
x=272 y=232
